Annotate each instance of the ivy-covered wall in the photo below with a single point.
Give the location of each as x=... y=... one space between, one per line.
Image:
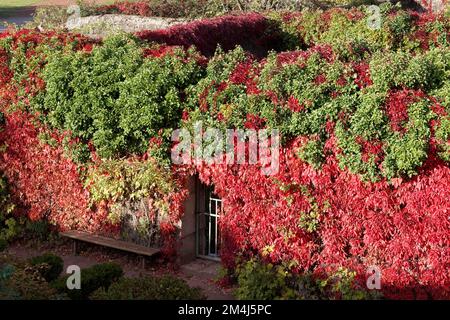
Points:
x=363 y=114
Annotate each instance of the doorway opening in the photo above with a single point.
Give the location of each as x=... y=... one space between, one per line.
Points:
x=208 y=212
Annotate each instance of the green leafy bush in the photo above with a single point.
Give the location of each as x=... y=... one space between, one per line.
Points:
x=48 y=17
x=39 y=230
x=114 y=96
x=190 y=8
x=54 y=262
x=9 y=228
x=93 y=278
x=313 y=95
x=148 y=288
x=443 y=137
x=3 y=245
x=258 y=280
x=261 y=281
x=341 y=285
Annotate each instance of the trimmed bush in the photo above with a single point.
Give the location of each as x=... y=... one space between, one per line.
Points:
x=148 y=288
x=54 y=262
x=93 y=278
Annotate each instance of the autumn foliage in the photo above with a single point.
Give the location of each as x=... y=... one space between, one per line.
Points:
x=251 y=31
x=364 y=175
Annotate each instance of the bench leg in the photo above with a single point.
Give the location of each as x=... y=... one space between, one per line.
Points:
x=75 y=247
x=143 y=262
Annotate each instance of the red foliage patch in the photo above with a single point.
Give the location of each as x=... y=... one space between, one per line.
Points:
x=228 y=31
x=254 y=122
x=402 y=229
x=363 y=79
x=397 y=107
x=294 y=105
x=43 y=180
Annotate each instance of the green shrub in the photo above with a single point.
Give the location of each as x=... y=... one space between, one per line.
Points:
x=9 y=227
x=341 y=285
x=49 y=17
x=148 y=288
x=3 y=245
x=6 y=271
x=39 y=229
x=261 y=281
x=115 y=97
x=443 y=137
x=93 y=278
x=26 y=284
x=315 y=92
x=194 y=8
x=54 y=262
x=312 y=152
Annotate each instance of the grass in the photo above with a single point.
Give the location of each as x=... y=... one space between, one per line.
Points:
x=18 y=3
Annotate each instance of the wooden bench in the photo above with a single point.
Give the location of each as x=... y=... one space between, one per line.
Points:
x=77 y=236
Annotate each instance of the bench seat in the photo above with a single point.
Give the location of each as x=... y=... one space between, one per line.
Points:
x=110 y=243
